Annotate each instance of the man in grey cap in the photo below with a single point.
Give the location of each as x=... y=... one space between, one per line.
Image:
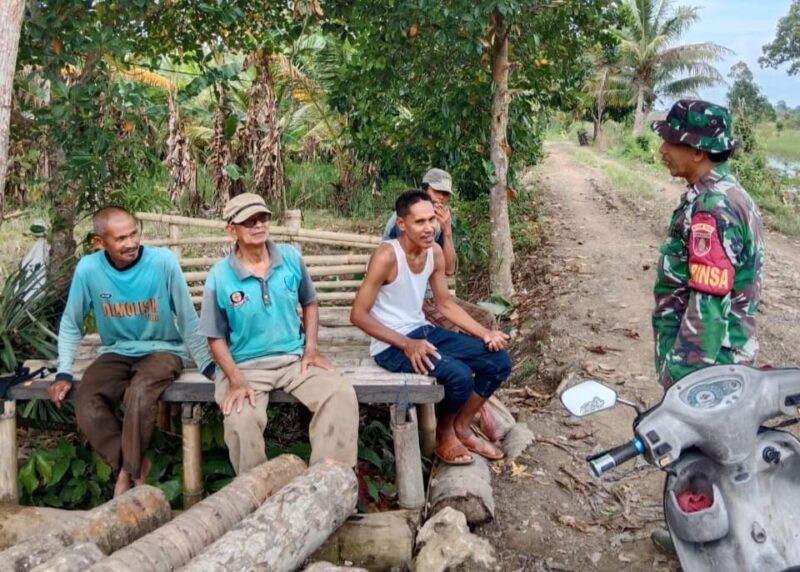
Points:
x=249 y=315
x=439 y=185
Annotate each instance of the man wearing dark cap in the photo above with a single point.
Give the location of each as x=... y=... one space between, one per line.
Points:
x=709 y=278
x=249 y=315
x=439 y=186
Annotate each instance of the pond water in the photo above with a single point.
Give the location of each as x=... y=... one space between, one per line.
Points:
x=785 y=166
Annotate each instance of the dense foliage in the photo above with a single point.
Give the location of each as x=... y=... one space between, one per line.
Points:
x=417 y=82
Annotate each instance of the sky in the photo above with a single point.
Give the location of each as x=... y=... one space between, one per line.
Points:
x=744 y=26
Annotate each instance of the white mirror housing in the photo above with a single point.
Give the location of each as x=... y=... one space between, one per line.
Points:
x=588 y=397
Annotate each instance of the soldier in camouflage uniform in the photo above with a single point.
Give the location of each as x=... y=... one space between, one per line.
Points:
x=709 y=274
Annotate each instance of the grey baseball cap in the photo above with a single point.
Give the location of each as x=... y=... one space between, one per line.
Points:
x=439 y=180
x=242 y=207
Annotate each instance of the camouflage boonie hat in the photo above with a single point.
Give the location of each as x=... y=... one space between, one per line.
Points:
x=698 y=124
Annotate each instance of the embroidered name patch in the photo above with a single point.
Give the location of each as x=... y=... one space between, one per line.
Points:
x=238 y=298
x=710 y=268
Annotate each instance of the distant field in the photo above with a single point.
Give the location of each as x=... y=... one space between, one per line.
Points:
x=785 y=146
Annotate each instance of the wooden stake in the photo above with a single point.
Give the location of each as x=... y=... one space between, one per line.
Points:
x=408 y=461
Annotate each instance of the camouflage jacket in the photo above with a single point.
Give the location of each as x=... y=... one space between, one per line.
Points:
x=709 y=279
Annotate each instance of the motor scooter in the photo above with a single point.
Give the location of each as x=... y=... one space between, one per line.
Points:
x=732 y=492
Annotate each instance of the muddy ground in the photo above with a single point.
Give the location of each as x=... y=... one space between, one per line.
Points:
x=585 y=302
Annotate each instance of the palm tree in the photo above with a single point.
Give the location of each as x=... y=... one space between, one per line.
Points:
x=655 y=64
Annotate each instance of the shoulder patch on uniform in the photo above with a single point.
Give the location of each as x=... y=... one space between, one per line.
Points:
x=709 y=266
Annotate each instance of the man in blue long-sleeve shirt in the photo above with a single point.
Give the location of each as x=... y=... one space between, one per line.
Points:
x=146 y=322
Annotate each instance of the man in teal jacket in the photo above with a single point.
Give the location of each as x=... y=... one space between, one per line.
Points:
x=146 y=322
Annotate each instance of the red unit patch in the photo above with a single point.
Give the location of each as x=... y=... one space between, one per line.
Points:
x=709 y=266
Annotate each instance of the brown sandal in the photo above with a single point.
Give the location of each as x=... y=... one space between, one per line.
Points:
x=450 y=454
x=482 y=447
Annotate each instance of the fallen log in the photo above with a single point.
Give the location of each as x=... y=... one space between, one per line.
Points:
x=328 y=567
x=289 y=527
x=465 y=488
x=181 y=539
x=75 y=558
x=378 y=541
x=110 y=526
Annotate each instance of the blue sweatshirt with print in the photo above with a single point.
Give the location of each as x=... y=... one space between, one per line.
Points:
x=139 y=310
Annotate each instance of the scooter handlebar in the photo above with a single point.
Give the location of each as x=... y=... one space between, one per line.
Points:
x=607 y=460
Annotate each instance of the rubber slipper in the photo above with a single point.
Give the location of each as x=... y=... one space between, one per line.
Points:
x=448 y=455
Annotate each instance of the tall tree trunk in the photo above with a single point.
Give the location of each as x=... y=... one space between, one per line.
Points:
x=501 y=250
x=62 y=224
x=268 y=163
x=183 y=171
x=221 y=149
x=10 y=26
x=638 y=120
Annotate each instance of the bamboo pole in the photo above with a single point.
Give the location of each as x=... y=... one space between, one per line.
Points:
x=175 y=235
x=408 y=461
x=310 y=260
x=192 y=454
x=275 y=230
x=293 y=219
x=177 y=542
x=8 y=452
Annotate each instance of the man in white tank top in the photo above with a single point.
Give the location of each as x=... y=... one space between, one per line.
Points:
x=388 y=307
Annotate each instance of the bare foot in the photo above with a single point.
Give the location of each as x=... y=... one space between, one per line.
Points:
x=143 y=472
x=123 y=484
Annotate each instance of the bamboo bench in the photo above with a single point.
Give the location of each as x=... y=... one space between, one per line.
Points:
x=337 y=276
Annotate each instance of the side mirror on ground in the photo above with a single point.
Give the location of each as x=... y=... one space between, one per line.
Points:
x=588 y=397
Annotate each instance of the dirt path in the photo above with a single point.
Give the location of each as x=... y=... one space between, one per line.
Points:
x=586 y=302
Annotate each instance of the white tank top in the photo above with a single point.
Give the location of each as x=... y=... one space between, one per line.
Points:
x=399 y=304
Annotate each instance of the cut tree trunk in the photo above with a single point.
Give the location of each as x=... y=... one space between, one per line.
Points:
x=75 y=558
x=289 y=527
x=177 y=542
x=10 y=26
x=501 y=251
x=466 y=488
x=110 y=526
x=380 y=541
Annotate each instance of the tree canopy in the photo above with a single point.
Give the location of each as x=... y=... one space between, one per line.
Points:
x=785 y=48
x=655 y=63
x=745 y=97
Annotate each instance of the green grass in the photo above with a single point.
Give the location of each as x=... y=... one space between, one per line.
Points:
x=623 y=174
x=785 y=145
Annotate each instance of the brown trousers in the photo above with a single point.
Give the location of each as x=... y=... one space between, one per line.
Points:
x=331 y=398
x=136 y=381
x=435 y=317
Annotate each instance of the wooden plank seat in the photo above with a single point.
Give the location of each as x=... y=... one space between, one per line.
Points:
x=337 y=262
